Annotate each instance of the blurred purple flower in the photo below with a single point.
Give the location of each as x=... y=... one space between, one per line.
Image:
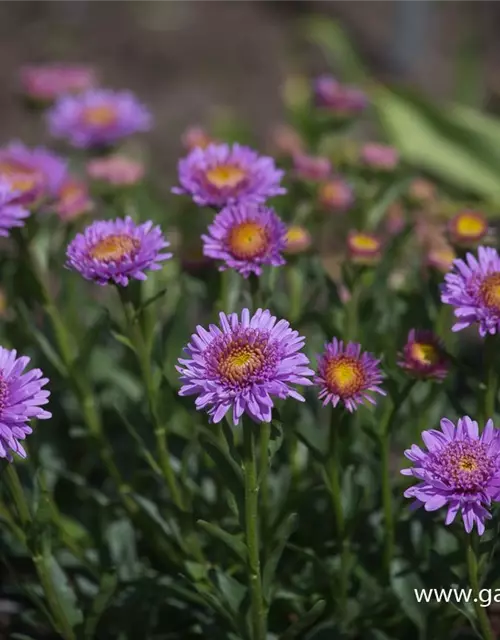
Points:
x=73 y=200
x=246 y=236
x=116 y=170
x=336 y=195
x=21 y=399
x=223 y=174
x=98 y=117
x=348 y=376
x=424 y=355
x=117 y=250
x=473 y=288
x=313 y=168
x=379 y=156
x=341 y=99
x=243 y=364
x=460 y=470
x=11 y=214
x=47 y=82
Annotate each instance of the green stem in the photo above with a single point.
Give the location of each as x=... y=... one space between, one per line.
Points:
x=265 y=434
x=351 y=314
x=18 y=495
x=333 y=470
x=472 y=568
x=160 y=428
x=491 y=390
x=385 y=443
x=258 y=611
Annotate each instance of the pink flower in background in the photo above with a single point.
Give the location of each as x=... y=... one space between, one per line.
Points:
x=312 y=168
x=48 y=82
x=196 y=137
x=116 y=170
x=380 y=156
x=363 y=248
x=297 y=239
x=338 y=98
x=286 y=141
x=73 y=199
x=467 y=228
x=336 y=195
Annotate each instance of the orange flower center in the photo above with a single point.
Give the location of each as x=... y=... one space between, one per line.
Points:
x=241 y=360
x=21 y=178
x=248 y=240
x=100 y=116
x=344 y=375
x=296 y=234
x=225 y=175
x=468 y=463
x=470 y=225
x=490 y=291
x=425 y=353
x=114 y=248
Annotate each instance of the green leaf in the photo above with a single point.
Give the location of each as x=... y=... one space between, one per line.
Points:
x=141 y=445
x=225 y=464
x=230 y=540
x=231 y=590
x=403 y=584
x=382 y=203
x=107 y=588
x=90 y=339
x=119 y=337
x=306 y=621
x=282 y=535
x=64 y=592
x=120 y=536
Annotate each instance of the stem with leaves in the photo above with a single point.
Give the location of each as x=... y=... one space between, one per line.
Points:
x=491 y=382
x=258 y=609
x=472 y=569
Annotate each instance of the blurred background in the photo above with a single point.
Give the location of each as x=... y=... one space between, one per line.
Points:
x=186 y=59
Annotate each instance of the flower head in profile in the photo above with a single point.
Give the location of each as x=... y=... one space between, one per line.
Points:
x=460 y=470
x=286 y=141
x=46 y=82
x=117 y=170
x=363 y=248
x=348 y=376
x=244 y=363
x=441 y=258
x=467 y=228
x=313 y=168
x=35 y=173
x=21 y=399
x=116 y=250
x=337 y=98
x=73 y=199
x=98 y=117
x=297 y=239
x=223 y=174
x=421 y=191
x=424 y=355
x=12 y=214
x=380 y=156
x=196 y=137
x=473 y=289
x=245 y=237
x=336 y=195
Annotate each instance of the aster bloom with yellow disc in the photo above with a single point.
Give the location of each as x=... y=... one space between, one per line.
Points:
x=11 y=214
x=441 y=258
x=363 y=248
x=21 y=399
x=424 y=355
x=35 y=173
x=460 y=470
x=246 y=237
x=98 y=117
x=473 y=289
x=347 y=376
x=222 y=174
x=467 y=228
x=241 y=365
x=114 y=251
x=297 y=239
x=336 y=195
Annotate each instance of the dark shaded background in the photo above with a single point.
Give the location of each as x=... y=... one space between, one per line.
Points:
x=186 y=58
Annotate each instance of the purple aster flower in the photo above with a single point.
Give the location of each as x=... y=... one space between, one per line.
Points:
x=222 y=174
x=460 y=469
x=246 y=236
x=117 y=250
x=473 y=288
x=345 y=375
x=21 y=399
x=98 y=117
x=313 y=168
x=338 y=98
x=424 y=355
x=34 y=173
x=47 y=82
x=11 y=214
x=241 y=365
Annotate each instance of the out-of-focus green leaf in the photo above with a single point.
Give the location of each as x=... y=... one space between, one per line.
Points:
x=306 y=621
x=429 y=139
x=107 y=588
x=378 y=210
x=230 y=540
x=403 y=583
x=63 y=591
x=120 y=536
x=282 y=535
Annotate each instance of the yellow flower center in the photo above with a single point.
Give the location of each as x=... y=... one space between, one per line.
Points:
x=344 y=375
x=225 y=175
x=100 y=116
x=467 y=463
x=21 y=178
x=470 y=225
x=296 y=234
x=425 y=353
x=241 y=360
x=248 y=240
x=114 y=248
x=364 y=243
x=490 y=291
